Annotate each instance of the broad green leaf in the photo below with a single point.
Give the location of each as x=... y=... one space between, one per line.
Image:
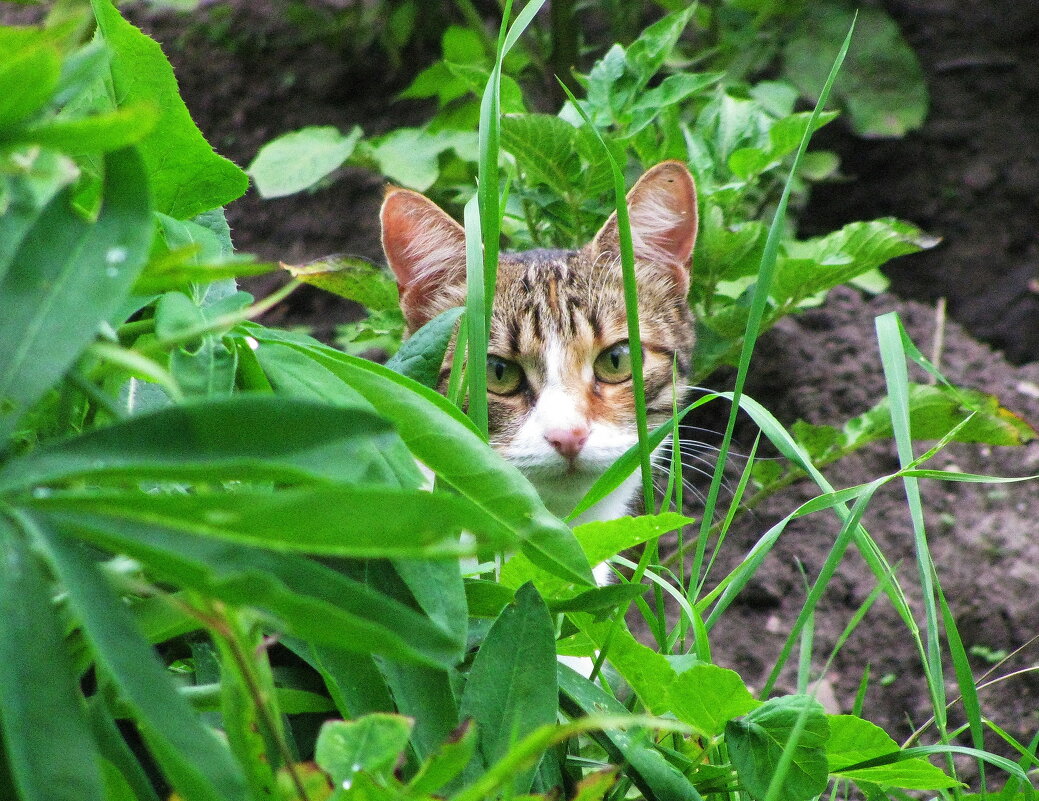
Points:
x=245 y=437
x=599 y=539
x=185 y=176
x=447 y=763
x=651 y=772
x=351 y=278
x=854 y=740
x=298 y=160
x=438 y=589
x=28 y=78
x=934 y=411
x=293 y=373
x=511 y=689
x=421 y=356
x=206 y=371
x=444 y=440
x=351 y=677
x=305 y=598
x=100 y=133
x=427 y=695
x=647 y=671
x=42 y=174
x=673 y=89
x=814 y=265
x=757 y=742
x=50 y=749
x=881 y=85
x=648 y=53
x=370 y=744
x=544 y=147
x=195 y=761
x=411 y=156
x=786 y=134
x=707 y=697
x=361 y=522
x=81 y=70
x=67 y=277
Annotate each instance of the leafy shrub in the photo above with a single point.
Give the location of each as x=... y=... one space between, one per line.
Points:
x=208 y=525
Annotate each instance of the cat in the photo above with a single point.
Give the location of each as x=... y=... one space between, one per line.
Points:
x=560 y=400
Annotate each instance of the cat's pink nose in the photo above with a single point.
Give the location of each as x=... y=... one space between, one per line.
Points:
x=567 y=441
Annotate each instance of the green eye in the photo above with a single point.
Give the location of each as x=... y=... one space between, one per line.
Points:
x=613 y=365
x=504 y=377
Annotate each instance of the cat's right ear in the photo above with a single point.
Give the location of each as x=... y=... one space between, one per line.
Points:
x=425 y=248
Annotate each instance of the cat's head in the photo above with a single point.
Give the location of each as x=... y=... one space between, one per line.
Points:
x=560 y=398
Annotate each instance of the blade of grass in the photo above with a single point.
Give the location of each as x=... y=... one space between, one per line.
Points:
x=896 y=375
x=476 y=330
x=484 y=228
x=965 y=680
x=627 y=254
x=766 y=271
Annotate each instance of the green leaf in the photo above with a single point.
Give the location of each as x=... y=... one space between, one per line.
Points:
x=649 y=672
x=67 y=277
x=411 y=156
x=599 y=539
x=421 y=356
x=28 y=78
x=447 y=763
x=51 y=751
x=427 y=695
x=544 y=147
x=707 y=697
x=100 y=133
x=652 y=773
x=185 y=176
x=298 y=160
x=445 y=441
x=195 y=761
x=245 y=437
x=757 y=743
x=439 y=591
x=305 y=598
x=370 y=744
x=511 y=690
x=206 y=371
x=384 y=522
x=936 y=410
x=882 y=85
x=853 y=740
x=351 y=278
x=648 y=53
x=814 y=265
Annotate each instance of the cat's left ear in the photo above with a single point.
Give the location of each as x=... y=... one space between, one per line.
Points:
x=662 y=210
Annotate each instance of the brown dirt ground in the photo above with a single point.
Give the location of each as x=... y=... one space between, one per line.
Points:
x=971 y=175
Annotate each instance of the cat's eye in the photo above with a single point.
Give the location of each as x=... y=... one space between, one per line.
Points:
x=504 y=377
x=613 y=365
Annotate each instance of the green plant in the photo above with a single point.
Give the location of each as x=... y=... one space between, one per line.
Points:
x=207 y=524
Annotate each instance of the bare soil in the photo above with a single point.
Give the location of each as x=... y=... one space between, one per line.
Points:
x=971 y=176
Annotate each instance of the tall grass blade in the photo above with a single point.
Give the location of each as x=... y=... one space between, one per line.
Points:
x=893 y=358
x=627 y=254
x=482 y=269
x=766 y=271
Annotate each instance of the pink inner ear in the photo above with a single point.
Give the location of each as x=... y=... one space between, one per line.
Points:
x=663 y=215
x=426 y=251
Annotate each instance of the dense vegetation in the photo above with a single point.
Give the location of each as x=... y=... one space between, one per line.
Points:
x=223 y=576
